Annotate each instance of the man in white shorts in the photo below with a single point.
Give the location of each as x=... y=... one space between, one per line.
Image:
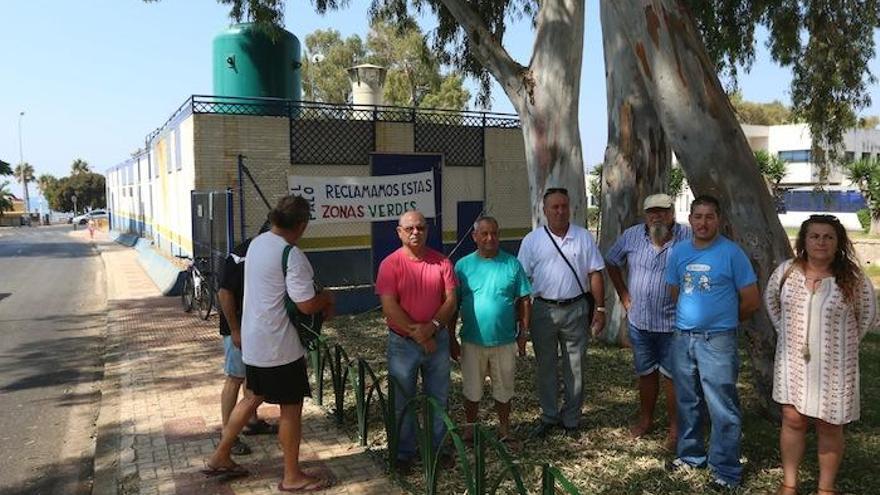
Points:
x=493 y=295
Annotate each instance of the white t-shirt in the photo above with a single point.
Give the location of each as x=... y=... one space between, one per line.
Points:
x=267 y=337
x=551 y=277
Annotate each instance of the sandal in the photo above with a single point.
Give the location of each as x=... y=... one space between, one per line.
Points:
x=228 y=472
x=260 y=427
x=312 y=485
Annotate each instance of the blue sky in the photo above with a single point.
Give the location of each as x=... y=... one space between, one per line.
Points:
x=95 y=77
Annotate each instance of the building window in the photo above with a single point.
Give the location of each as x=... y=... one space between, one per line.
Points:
x=177 y=152
x=866 y=156
x=168 y=154
x=795 y=156
x=849 y=157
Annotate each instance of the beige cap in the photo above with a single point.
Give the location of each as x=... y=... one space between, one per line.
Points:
x=657 y=201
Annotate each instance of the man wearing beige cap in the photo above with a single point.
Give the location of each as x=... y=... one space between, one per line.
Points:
x=643 y=250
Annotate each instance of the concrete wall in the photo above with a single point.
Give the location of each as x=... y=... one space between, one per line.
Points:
x=265 y=142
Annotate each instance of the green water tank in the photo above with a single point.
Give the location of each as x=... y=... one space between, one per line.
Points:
x=251 y=62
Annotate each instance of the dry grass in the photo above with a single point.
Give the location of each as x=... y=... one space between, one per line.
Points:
x=605 y=460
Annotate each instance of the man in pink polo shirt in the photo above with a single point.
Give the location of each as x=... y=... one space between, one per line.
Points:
x=417 y=288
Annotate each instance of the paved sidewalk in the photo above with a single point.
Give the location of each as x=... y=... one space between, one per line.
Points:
x=160 y=410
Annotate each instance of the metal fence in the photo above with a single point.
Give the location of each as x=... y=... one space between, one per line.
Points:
x=345 y=134
x=374 y=396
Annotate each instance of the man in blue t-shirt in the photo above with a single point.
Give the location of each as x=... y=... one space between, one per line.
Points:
x=715 y=288
x=493 y=298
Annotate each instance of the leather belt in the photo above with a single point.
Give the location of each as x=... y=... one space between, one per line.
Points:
x=561 y=302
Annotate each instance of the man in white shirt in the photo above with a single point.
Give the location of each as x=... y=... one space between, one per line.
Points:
x=273 y=355
x=565 y=267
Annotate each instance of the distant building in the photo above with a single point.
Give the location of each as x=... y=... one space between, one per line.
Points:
x=13 y=217
x=792 y=143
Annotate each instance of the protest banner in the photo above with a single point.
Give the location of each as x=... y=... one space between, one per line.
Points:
x=365 y=199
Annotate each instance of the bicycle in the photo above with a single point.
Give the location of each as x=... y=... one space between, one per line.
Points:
x=198 y=287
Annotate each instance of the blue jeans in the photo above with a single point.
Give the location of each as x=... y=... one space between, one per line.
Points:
x=565 y=327
x=651 y=351
x=405 y=359
x=705 y=370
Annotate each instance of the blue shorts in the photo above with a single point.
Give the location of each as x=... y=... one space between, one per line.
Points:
x=651 y=351
x=233 y=365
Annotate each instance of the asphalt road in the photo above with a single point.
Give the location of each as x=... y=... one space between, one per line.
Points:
x=52 y=320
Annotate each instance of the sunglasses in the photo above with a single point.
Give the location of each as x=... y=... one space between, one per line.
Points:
x=410 y=228
x=826 y=218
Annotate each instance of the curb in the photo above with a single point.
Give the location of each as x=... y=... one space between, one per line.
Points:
x=107 y=429
x=167 y=276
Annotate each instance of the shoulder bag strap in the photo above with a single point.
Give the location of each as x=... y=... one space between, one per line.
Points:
x=573 y=271
x=289 y=305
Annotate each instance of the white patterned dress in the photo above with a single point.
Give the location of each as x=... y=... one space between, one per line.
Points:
x=817 y=346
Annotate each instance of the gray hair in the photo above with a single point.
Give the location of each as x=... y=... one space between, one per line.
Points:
x=484 y=218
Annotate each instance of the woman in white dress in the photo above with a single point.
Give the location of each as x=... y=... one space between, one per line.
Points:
x=821 y=304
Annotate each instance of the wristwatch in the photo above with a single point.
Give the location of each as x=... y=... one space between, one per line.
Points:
x=436 y=324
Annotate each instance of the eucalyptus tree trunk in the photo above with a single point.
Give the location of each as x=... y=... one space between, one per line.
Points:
x=637 y=158
x=700 y=124
x=545 y=95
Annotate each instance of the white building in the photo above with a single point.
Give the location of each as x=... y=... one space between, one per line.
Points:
x=792 y=143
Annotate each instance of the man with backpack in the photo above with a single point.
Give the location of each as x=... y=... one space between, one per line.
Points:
x=272 y=351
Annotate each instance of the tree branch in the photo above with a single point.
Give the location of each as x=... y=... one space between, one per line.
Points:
x=493 y=56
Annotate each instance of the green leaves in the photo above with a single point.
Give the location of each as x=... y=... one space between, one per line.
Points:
x=24 y=172
x=87 y=186
x=865 y=174
x=5 y=198
x=79 y=166
x=414 y=77
x=772 y=167
x=826 y=43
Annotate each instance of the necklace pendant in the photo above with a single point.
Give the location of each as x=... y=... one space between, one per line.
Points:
x=806 y=352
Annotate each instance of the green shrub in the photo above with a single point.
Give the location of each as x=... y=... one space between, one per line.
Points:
x=864 y=218
x=592 y=217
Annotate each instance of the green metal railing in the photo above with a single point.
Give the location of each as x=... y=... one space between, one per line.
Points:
x=366 y=385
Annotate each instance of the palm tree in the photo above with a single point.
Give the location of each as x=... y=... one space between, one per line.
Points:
x=24 y=173
x=5 y=198
x=44 y=182
x=79 y=166
x=5 y=169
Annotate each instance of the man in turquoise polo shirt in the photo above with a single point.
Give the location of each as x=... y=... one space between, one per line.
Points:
x=494 y=304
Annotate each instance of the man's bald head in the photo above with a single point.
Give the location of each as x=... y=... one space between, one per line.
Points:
x=412 y=229
x=411 y=216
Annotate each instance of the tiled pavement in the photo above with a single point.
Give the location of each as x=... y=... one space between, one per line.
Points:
x=160 y=416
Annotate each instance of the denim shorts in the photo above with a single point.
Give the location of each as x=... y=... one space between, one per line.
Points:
x=233 y=365
x=651 y=351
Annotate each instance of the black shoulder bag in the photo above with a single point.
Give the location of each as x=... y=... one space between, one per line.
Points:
x=591 y=301
x=307 y=326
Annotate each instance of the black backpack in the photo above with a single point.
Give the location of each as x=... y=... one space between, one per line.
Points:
x=307 y=326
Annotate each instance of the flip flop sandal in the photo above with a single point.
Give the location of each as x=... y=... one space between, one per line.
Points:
x=228 y=472
x=261 y=427
x=315 y=485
